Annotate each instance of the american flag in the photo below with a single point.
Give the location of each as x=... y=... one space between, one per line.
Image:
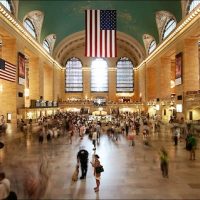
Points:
x=7 y=71
x=100 y=33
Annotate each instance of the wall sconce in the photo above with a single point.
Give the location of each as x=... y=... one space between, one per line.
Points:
x=26 y=92
x=163 y=103
x=172 y=84
x=157 y=107
x=1 y=87
x=9 y=117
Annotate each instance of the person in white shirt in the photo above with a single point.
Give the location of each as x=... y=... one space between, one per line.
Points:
x=4 y=186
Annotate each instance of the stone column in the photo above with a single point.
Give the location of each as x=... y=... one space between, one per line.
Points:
x=86 y=82
x=48 y=82
x=165 y=77
x=34 y=78
x=141 y=84
x=190 y=65
x=112 y=81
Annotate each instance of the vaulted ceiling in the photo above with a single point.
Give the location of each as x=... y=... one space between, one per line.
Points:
x=134 y=18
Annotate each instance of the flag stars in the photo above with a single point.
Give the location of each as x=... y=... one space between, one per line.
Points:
x=108 y=19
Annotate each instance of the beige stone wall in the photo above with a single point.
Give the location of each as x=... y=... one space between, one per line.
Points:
x=42 y=78
x=48 y=83
x=8 y=95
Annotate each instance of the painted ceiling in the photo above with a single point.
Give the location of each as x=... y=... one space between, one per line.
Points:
x=134 y=17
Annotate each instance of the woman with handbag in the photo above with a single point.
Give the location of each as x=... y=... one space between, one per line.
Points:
x=98 y=168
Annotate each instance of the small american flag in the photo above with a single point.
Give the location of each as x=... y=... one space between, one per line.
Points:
x=100 y=33
x=7 y=71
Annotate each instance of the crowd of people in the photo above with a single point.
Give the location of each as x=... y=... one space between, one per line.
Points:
x=127 y=125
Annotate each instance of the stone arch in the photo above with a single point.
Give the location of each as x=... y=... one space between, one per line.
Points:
x=77 y=40
x=162 y=17
x=36 y=18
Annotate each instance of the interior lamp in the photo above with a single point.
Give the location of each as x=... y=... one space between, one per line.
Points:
x=179 y=107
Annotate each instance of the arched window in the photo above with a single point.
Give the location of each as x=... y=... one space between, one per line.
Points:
x=7 y=4
x=169 y=27
x=152 y=46
x=30 y=27
x=99 y=76
x=192 y=5
x=73 y=76
x=46 y=46
x=125 y=75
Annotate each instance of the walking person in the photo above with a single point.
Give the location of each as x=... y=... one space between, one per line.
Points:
x=164 y=162
x=176 y=134
x=82 y=158
x=94 y=138
x=131 y=137
x=192 y=145
x=97 y=171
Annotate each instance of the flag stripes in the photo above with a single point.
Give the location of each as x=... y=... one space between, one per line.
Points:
x=7 y=71
x=100 y=34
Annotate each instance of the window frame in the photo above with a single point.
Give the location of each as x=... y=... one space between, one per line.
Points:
x=29 y=23
x=125 y=59
x=74 y=91
x=167 y=28
x=150 y=50
x=47 y=46
x=9 y=3
x=91 y=77
x=192 y=4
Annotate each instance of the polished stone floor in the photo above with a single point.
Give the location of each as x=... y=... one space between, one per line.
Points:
x=130 y=172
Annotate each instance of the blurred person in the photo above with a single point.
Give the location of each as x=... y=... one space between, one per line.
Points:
x=164 y=162
x=97 y=173
x=4 y=186
x=82 y=159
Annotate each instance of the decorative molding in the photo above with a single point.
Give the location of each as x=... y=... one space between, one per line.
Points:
x=18 y=28
x=36 y=18
x=184 y=25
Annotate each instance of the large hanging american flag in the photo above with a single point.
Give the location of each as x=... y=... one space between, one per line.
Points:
x=100 y=33
x=7 y=71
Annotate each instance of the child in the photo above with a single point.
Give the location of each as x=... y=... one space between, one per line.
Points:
x=75 y=174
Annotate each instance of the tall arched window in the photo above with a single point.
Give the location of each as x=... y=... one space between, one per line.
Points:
x=192 y=5
x=7 y=4
x=99 y=76
x=30 y=27
x=152 y=46
x=169 y=27
x=125 y=75
x=73 y=76
x=46 y=46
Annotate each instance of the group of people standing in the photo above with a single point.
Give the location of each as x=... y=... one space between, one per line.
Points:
x=82 y=161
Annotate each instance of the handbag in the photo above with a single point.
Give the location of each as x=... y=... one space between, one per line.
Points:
x=99 y=169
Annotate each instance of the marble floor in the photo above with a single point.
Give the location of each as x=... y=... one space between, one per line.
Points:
x=130 y=172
